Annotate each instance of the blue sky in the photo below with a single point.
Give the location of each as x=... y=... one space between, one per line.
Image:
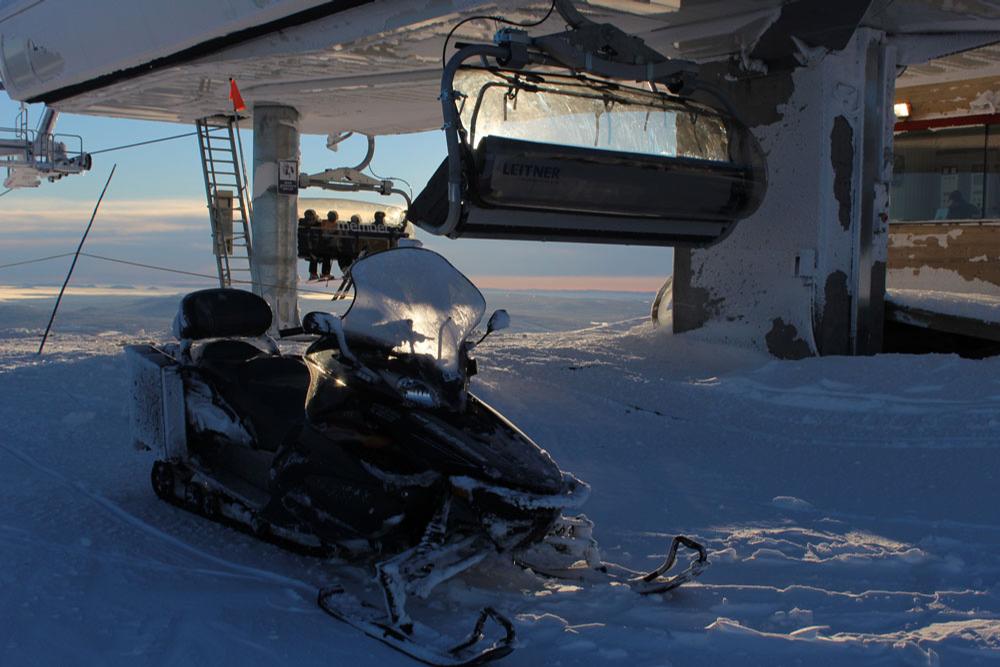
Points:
x=154 y=212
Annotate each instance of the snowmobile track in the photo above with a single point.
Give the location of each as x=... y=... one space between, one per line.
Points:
x=196 y=498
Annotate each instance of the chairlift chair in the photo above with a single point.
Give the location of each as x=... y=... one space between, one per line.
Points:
x=359 y=229
x=33 y=155
x=590 y=136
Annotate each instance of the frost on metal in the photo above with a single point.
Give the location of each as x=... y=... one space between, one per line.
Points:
x=207 y=412
x=577 y=495
x=156 y=411
x=786 y=280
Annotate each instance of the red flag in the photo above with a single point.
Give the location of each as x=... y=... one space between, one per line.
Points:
x=235 y=97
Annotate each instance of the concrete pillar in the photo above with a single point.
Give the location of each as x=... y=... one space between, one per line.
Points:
x=275 y=213
x=805 y=274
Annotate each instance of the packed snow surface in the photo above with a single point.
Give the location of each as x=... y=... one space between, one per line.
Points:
x=984 y=307
x=850 y=506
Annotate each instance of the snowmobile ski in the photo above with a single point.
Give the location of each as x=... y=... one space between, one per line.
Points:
x=648 y=583
x=416 y=640
x=570 y=552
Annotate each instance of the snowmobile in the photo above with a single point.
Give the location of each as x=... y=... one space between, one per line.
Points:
x=369 y=448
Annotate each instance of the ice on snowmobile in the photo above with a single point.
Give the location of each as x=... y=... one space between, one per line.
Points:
x=369 y=447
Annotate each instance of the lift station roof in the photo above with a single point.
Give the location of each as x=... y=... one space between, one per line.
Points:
x=373 y=65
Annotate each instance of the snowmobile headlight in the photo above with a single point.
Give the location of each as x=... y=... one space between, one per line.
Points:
x=417 y=393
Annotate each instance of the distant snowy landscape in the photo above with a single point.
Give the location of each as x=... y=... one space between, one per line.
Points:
x=851 y=505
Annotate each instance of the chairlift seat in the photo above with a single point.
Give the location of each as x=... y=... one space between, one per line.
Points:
x=513 y=173
x=526 y=190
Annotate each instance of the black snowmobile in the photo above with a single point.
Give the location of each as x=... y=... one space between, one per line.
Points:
x=369 y=448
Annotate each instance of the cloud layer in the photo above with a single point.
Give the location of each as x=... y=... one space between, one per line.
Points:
x=125 y=216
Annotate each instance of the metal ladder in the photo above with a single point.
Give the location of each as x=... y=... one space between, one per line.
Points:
x=229 y=208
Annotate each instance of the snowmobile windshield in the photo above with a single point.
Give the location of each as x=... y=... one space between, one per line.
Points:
x=413 y=301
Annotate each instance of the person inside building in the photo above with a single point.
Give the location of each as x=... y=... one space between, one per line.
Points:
x=329 y=227
x=959 y=209
x=308 y=222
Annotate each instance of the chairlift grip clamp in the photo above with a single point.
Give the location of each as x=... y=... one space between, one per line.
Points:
x=516 y=42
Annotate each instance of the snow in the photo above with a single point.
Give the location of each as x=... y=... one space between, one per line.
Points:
x=849 y=506
x=984 y=307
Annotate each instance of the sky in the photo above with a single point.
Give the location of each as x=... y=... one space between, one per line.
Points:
x=155 y=213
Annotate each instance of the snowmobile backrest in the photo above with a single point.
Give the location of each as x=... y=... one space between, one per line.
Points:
x=221 y=313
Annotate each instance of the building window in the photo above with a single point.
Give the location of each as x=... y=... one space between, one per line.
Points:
x=947 y=174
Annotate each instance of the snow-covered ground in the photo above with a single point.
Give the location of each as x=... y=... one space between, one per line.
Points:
x=851 y=505
x=984 y=307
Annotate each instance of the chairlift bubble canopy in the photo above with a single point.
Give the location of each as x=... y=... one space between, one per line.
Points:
x=549 y=153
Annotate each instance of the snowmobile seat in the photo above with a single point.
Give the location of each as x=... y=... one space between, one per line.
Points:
x=265 y=388
x=270 y=392
x=267 y=391
x=227 y=350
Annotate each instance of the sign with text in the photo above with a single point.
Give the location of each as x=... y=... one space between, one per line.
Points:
x=288 y=177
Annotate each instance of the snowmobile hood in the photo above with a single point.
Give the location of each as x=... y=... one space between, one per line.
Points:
x=481 y=444
x=574 y=493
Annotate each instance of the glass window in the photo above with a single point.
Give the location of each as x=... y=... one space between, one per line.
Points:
x=991 y=179
x=951 y=174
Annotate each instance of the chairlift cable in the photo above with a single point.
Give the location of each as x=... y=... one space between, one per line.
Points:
x=500 y=19
x=35 y=261
x=38 y=260
x=189 y=273
x=144 y=143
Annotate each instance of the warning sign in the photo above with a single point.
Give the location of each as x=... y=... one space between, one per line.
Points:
x=288 y=177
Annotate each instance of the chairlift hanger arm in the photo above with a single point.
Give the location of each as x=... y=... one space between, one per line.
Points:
x=349 y=179
x=605 y=50
x=582 y=53
x=386 y=187
x=347 y=176
x=369 y=154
